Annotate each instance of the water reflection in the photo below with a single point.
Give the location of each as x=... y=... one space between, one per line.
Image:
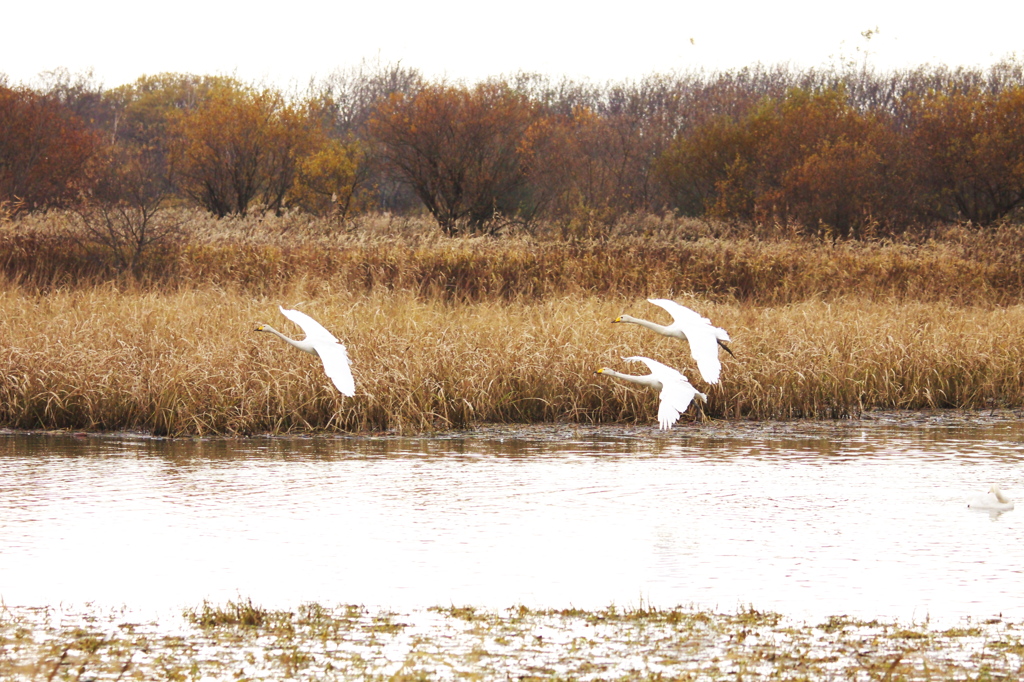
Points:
x=811 y=520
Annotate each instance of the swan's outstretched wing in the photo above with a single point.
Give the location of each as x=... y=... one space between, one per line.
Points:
x=700 y=334
x=675 y=398
x=680 y=313
x=331 y=351
x=676 y=392
x=704 y=349
x=314 y=330
x=336 y=365
x=658 y=370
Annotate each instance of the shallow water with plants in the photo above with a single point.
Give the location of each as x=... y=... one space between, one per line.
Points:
x=244 y=641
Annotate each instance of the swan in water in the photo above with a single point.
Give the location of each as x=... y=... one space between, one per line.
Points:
x=703 y=337
x=676 y=392
x=319 y=342
x=993 y=500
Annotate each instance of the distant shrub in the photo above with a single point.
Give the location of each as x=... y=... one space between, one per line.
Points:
x=810 y=157
x=238 y=148
x=45 y=150
x=969 y=153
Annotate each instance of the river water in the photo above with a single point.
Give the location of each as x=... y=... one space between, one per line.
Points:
x=865 y=518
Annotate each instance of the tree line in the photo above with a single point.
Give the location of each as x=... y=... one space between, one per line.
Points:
x=846 y=152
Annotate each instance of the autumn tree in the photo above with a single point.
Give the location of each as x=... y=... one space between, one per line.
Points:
x=700 y=163
x=44 y=150
x=331 y=179
x=640 y=119
x=79 y=94
x=809 y=158
x=146 y=108
x=462 y=151
x=605 y=142
x=238 y=148
x=343 y=171
x=122 y=217
x=969 y=151
x=605 y=163
x=346 y=99
x=137 y=131
x=828 y=166
x=342 y=104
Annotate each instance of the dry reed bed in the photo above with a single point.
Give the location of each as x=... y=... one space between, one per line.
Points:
x=188 y=362
x=269 y=256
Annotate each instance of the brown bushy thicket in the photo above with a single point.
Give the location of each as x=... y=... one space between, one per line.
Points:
x=464 y=152
x=45 y=150
x=849 y=152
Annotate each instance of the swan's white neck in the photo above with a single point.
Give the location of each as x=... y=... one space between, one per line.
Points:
x=643 y=381
x=301 y=345
x=654 y=327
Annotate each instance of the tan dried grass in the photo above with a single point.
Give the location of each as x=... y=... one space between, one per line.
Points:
x=187 y=361
x=645 y=256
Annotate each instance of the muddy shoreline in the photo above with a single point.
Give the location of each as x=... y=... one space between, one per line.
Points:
x=560 y=432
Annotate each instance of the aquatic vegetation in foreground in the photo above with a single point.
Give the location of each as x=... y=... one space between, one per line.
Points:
x=315 y=642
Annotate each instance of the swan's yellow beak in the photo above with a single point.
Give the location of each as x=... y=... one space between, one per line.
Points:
x=600 y=371
x=617 y=319
x=259 y=328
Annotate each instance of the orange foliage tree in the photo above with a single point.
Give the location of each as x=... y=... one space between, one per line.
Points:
x=331 y=178
x=238 y=148
x=969 y=149
x=464 y=152
x=704 y=161
x=147 y=108
x=606 y=161
x=44 y=150
x=599 y=145
x=809 y=158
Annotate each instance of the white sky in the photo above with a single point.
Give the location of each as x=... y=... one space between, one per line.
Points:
x=290 y=42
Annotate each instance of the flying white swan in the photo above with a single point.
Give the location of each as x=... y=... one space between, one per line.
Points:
x=676 y=391
x=320 y=342
x=704 y=339
x=993 y=500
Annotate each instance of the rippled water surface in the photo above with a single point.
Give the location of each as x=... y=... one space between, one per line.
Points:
x=867 y=519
